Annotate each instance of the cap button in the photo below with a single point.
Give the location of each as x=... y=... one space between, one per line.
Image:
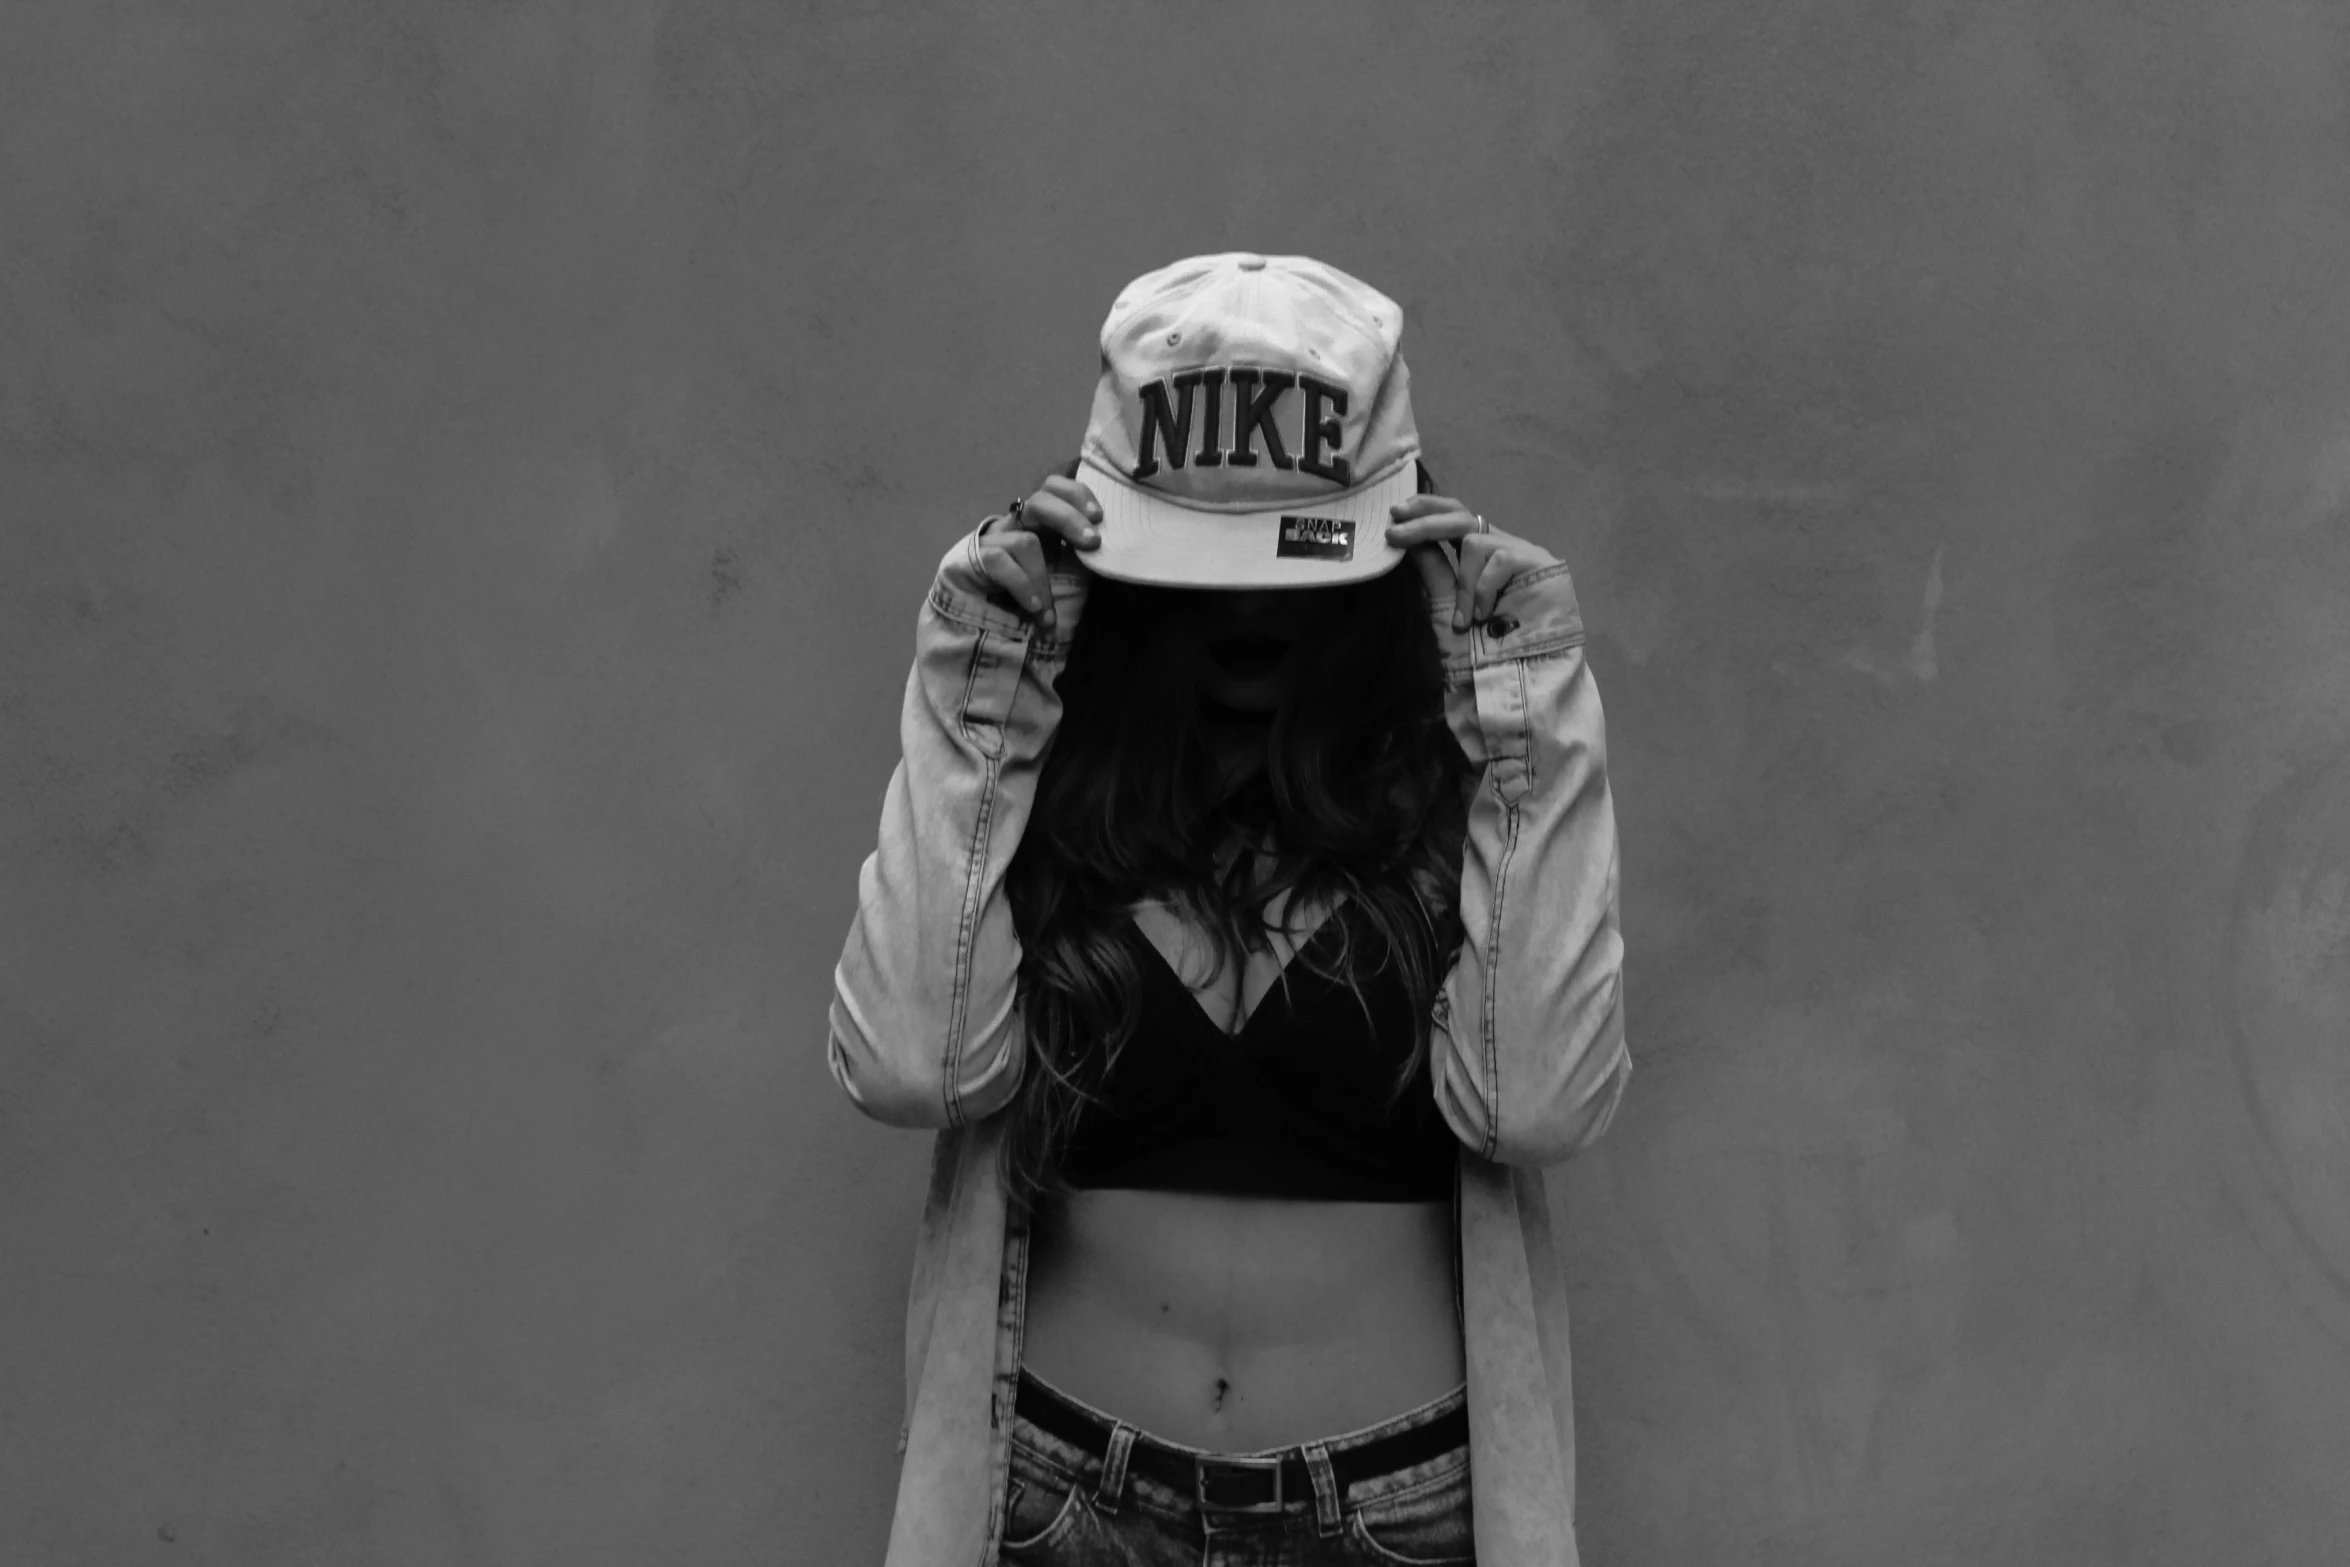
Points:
x=1251 y=263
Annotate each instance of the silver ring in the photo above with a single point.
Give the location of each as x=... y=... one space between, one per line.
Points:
x=1482 y=525
x=1019 y=503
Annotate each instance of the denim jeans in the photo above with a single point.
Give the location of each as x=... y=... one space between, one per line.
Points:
x=1067 y=1507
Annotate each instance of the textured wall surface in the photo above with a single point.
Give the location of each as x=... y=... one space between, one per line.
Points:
x=466 y=477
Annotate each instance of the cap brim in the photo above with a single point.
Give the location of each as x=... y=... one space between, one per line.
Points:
x=1146 y=537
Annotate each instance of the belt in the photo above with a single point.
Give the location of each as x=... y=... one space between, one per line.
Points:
x=1245 y=1485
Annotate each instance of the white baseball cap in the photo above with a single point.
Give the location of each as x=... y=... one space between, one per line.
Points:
x=1252 y=426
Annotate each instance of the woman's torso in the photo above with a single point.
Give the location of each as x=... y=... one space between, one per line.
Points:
x=1234 y=1323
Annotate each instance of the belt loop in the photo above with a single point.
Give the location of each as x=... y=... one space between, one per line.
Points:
x=1329 y=1514
x=1113 y=1481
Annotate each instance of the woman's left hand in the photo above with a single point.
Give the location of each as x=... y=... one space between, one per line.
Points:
x=1484 y=560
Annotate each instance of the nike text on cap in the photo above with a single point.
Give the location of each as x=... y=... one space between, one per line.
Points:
x=1252 y=426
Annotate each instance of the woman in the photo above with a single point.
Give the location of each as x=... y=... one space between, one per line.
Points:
x=1245 y=915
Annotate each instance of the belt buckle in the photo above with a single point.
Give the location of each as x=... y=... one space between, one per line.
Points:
x=1200 y=1483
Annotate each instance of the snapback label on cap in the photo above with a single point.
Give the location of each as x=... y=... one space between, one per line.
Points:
x=1316 y=538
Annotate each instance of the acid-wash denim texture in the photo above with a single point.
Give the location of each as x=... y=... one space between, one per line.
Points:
x=1529 y=1060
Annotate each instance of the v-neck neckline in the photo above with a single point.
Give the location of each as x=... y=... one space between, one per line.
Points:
x=1280 y=981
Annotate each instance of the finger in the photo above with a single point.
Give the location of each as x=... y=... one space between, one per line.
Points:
x=1050 y=512
x=1014 y=561
x=1008 y=558
x=1029 y=550
x=1420 y=530
x=1080 y=499
x=1428 y=529
x=1475 y=550
x=1417 y=507
x=1435 y=569
x=1497 y=571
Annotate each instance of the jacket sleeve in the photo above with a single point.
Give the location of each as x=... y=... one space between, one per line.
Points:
x=924 y=1027
x=1528 y=1038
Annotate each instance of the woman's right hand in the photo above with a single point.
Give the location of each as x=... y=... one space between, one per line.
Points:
x=1016 y=550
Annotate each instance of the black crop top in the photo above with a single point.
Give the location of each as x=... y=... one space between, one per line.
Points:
x=1290 y=1106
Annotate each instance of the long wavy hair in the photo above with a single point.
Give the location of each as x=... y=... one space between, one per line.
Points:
x=1362 y=798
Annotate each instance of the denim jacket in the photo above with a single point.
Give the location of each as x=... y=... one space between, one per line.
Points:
x=1529 y=1062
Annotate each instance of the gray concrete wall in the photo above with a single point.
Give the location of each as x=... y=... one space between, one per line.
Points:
x=466 y=475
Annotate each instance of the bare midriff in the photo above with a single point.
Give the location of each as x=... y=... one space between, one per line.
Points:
x=1240 y=1323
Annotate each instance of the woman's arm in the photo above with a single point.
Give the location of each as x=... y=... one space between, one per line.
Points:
x=1534 y=1007
x=1530 y=1060
x=924 y=1031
